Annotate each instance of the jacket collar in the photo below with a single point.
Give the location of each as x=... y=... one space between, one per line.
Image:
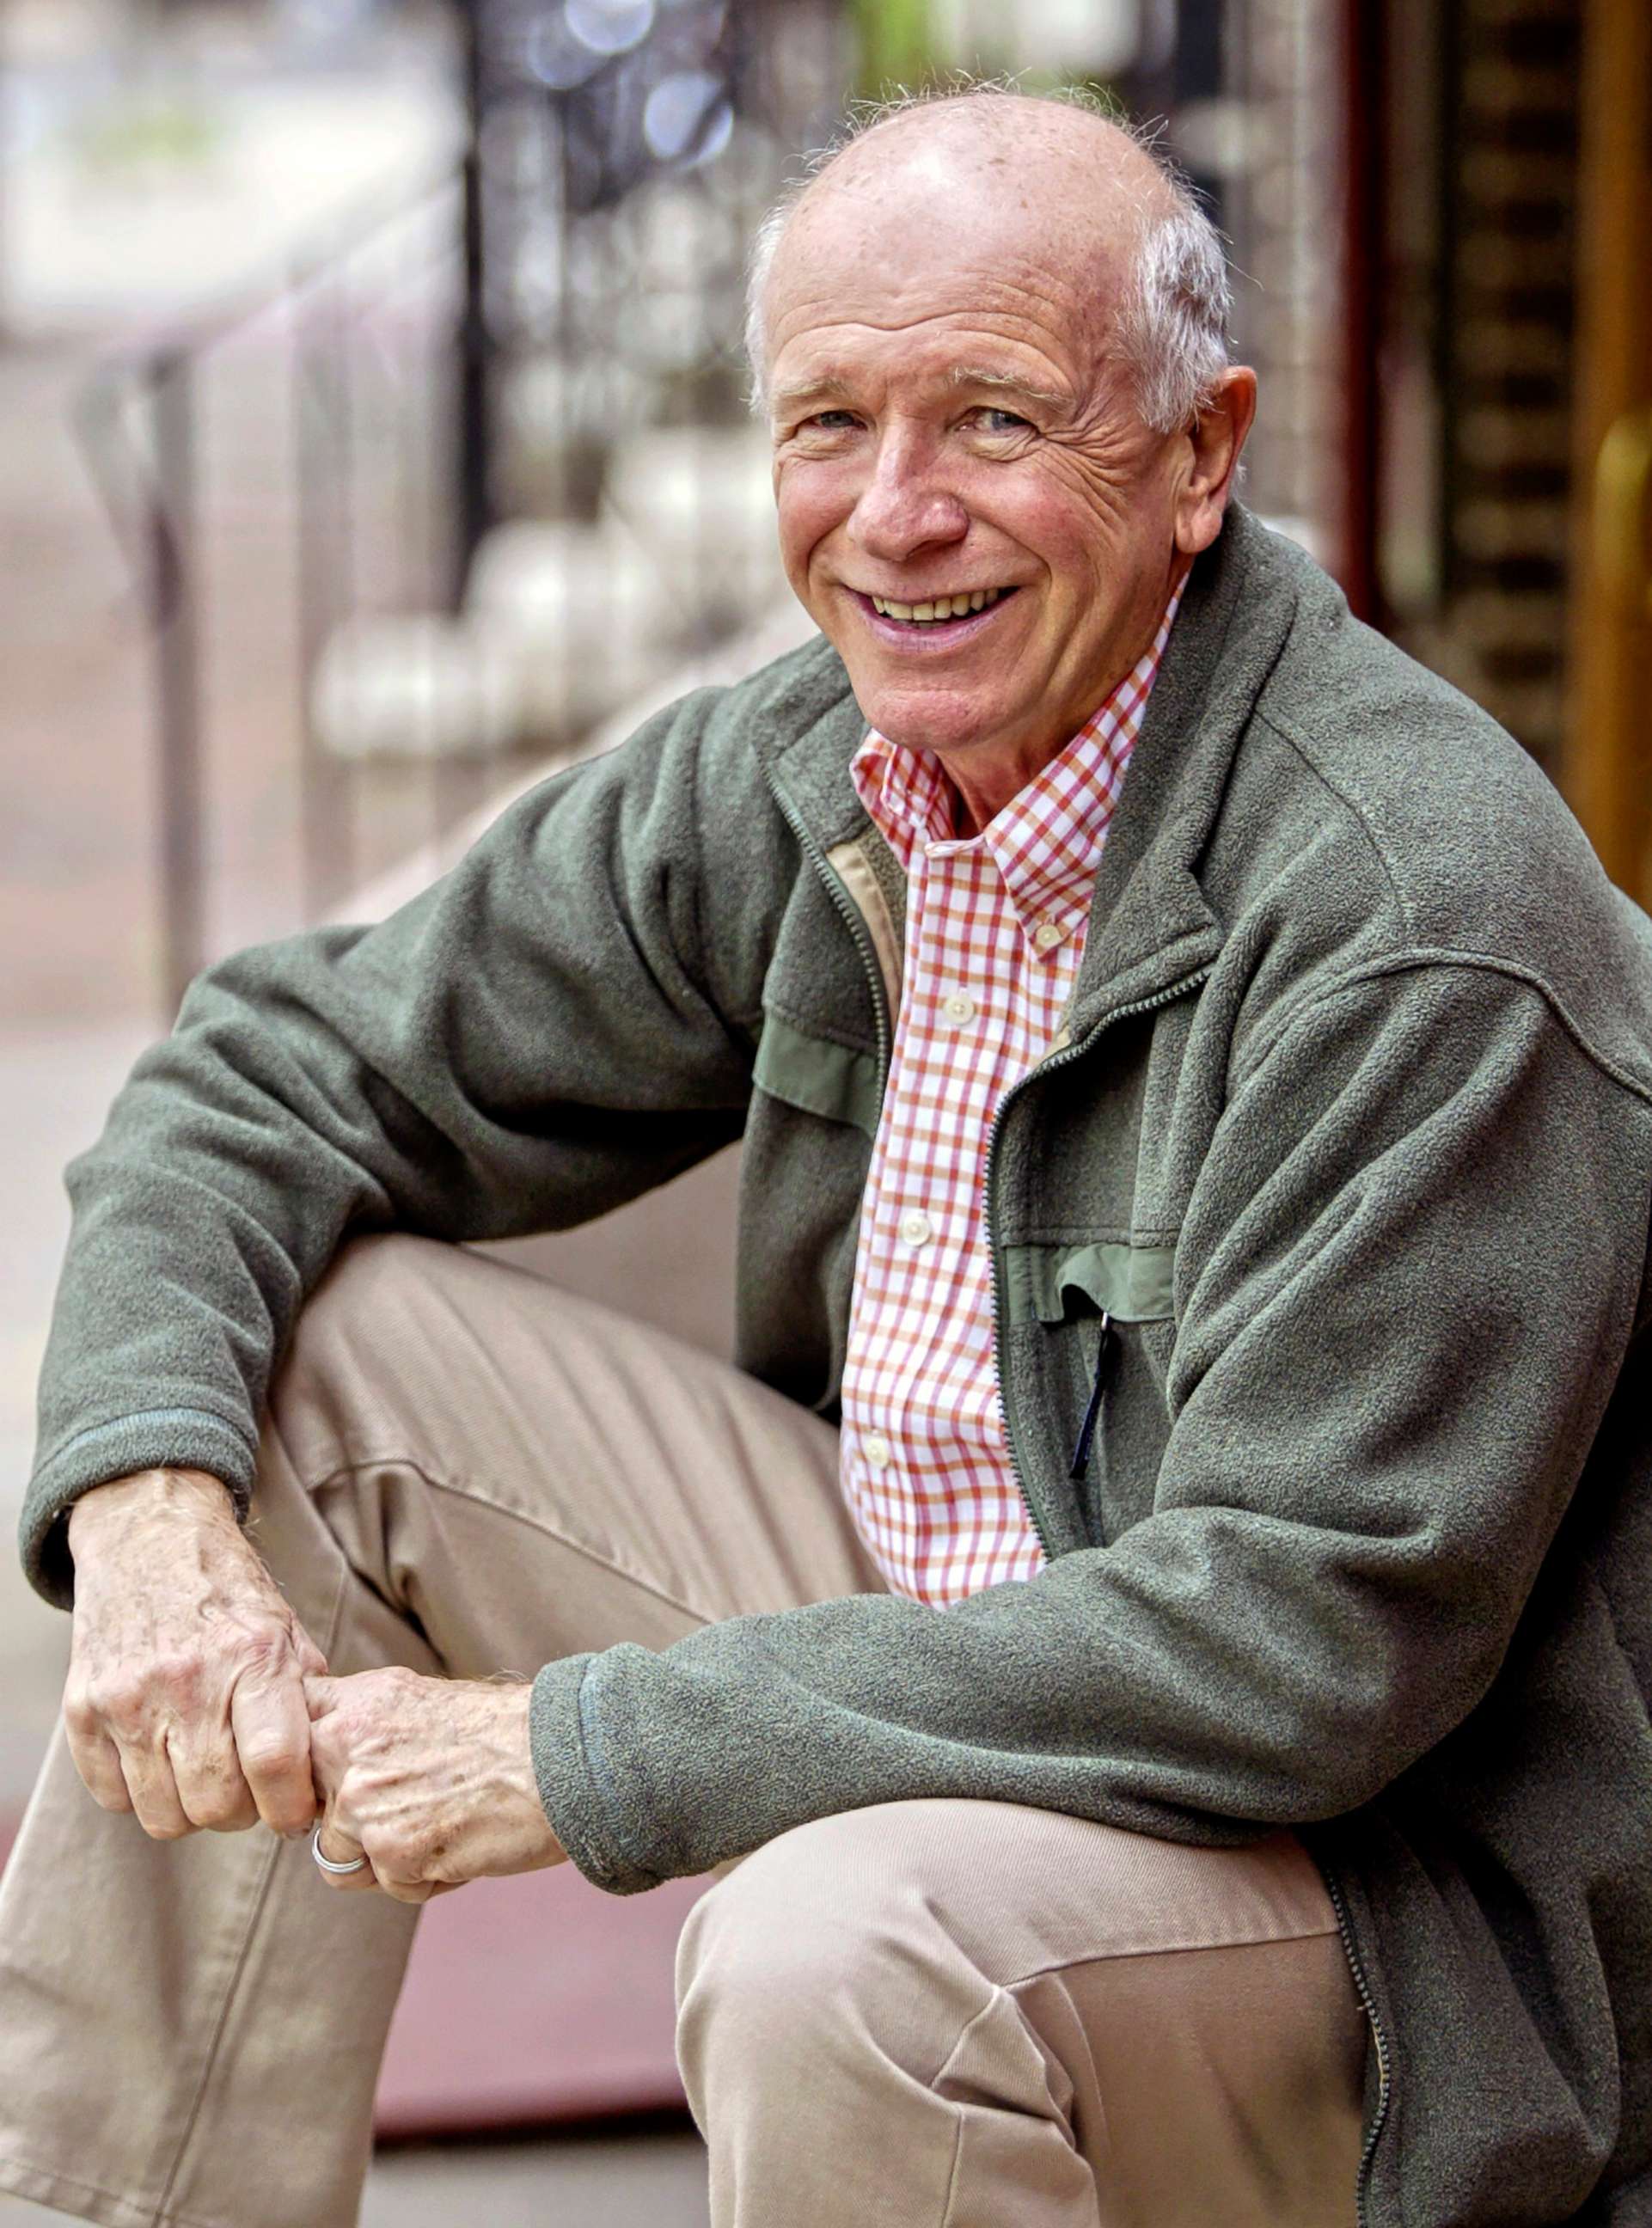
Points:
x=1150 y=922
x=1149 y=925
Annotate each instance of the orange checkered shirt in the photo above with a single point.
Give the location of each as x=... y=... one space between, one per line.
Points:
x=994 y=931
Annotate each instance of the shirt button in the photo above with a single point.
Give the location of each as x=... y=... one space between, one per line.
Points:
x=959 y=1008
x=1047 y=935
x=876 y=1451
x=916 y=1228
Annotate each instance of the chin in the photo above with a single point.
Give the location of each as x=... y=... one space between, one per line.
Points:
x=942 y=720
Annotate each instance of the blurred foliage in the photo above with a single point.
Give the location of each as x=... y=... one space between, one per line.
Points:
x=896 y=46
x=151 y=132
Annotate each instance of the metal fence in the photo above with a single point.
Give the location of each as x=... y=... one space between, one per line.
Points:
x=411 y=519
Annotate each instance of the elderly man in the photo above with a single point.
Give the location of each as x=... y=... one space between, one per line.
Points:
x=1187 y=1737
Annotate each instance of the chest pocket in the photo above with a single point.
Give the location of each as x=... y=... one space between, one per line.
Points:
x=1099 y=1316
x=816 y=1075
x=1060 y=1283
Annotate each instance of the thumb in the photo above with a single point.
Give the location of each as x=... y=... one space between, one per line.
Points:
x=310 y=1660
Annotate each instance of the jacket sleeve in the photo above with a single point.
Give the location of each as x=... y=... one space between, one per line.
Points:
x=528 y=1044
x=1403 y=1286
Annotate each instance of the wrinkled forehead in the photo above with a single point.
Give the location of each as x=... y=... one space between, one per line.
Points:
x=920 y=240
x=922 y=265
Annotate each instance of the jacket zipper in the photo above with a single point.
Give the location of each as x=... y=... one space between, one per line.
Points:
x=861 y=938
x=1378 y=2039
x=853 y=920
x=1333 y=1886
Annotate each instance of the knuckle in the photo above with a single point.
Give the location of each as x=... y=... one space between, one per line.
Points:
x=118 y=1699
x=290 y=1815
x=231 y=1818
x=178 y=1672
x=217 y=1814
x=271 y=1755
x=79 y=1715
x=389 y=1852
x=267 y=1654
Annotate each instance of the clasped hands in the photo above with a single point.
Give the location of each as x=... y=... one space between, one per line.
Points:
x=196 y=1700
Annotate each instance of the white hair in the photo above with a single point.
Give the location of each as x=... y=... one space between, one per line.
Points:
x=1171 y=331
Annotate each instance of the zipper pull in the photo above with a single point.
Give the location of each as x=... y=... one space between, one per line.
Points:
x=1086 y=1439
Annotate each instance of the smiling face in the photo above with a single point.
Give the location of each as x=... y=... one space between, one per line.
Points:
x=970 y=507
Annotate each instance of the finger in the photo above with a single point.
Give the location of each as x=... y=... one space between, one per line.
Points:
x=339 y=1849
x=154 y=1792
x=98 y=1761
x=407 y=1890
x=311 y=1662
x=272 y=1729
x=210 y=1784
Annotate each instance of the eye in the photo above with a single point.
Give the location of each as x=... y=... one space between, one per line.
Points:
x=992 y=420
x=831 y=421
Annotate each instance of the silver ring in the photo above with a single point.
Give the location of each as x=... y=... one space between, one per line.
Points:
x=355 y=1864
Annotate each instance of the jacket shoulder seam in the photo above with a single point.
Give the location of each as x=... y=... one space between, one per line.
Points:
x=1299 y=749
x=1417 y=957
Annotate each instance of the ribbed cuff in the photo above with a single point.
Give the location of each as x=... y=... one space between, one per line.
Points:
x=577 y=1792
x=162 y=1438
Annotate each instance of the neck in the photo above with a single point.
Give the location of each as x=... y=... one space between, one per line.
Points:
x=988 y=777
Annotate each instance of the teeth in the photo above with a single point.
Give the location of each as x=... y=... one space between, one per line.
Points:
x=938 y=607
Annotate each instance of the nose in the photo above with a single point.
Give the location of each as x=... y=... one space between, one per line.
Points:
x=905 y=506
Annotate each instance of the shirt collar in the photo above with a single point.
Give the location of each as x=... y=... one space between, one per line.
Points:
x=1048 y=840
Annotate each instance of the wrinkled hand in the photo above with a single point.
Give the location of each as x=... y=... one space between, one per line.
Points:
x=430 y=1779
x=185 y=1695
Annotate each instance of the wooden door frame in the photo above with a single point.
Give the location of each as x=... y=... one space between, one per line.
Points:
x=1608 y=768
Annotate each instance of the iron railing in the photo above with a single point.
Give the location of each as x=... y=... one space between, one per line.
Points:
x=550 y=334
x=275 y=464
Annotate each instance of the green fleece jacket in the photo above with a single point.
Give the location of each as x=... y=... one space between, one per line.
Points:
x=1351 y=1138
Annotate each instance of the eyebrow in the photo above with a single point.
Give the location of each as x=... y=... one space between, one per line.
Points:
x=962 y=375
x=1003 y=382
x=810 y=390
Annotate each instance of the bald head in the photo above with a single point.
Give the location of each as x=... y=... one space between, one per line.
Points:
x=1023 y=185
x=1033 y=149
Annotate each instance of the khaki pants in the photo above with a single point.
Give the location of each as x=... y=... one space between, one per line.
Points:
x=966 y=2014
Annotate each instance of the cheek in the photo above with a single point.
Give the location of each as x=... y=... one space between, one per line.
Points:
x=809 y=502
x=1068 y=541
x=1057 y=520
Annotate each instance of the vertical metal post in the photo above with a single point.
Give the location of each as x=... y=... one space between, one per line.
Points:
x=323 y=466
x=174 y=590
x=475 y=504
x=1364 y=277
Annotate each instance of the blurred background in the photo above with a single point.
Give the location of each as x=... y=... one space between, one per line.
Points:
x=372 y=438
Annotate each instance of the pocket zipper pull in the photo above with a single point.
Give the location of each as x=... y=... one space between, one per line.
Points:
x=1086 y=1439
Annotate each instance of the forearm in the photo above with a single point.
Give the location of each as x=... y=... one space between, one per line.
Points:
x=526 y=1045
x=1374 y=1438
x=205 y=1213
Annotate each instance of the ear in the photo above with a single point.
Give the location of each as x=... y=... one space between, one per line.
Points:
x=1209 y=457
